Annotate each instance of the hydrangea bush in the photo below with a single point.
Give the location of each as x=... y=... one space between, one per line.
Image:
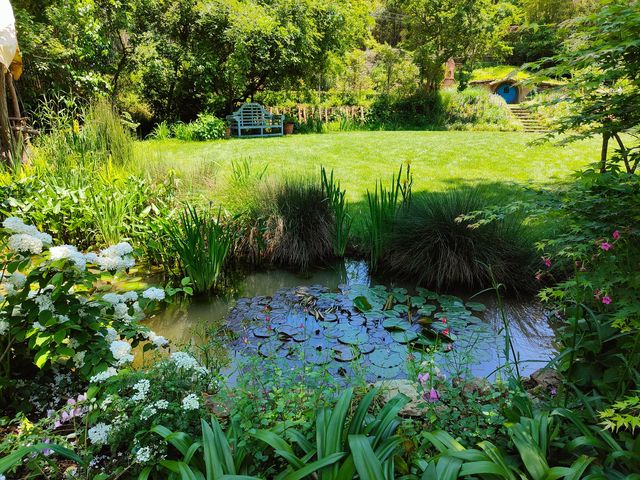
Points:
x=53 y=314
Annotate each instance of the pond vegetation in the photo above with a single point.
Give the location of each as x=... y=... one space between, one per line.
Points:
x=368 y=301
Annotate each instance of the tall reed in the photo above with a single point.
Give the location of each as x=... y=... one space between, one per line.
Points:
x=383 y=205
x=343 y=221
x=202 y=243
x=111 y=207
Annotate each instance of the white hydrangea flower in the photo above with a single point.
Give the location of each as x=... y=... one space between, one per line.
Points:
x=24 y=243
x=157 y=340
x=44 y=302
x=162 y=404
x=69 y=252
x=121 y=310
x=17 y=226
x=190 y=402
x=153 y=293
x=78 y=359
x=102 y=376
x=143 y=455
x=130 y=296
x=114 y=258
x=112 y=298
x=17 y=280
x=121 y=351
x=112 y=335
x=99 y=433
x=142 y=388
x=4 y=327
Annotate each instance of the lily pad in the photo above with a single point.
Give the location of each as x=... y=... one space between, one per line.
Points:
x=264 y=332
x=354 y=338
x=404 y=337
x=345 y=353
x=386 y=359
x=396 y=324
x=362 y=304
x=366 y=348
x=476 y=306
x=426 y=309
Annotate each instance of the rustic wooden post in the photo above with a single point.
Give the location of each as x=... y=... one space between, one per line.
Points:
x=6 y=139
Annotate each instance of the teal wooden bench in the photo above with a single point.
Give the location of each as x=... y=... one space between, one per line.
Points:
x=252 y=120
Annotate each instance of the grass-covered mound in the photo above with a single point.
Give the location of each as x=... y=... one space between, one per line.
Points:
x=431 y=244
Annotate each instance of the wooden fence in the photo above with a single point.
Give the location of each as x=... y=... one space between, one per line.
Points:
x=305 y=112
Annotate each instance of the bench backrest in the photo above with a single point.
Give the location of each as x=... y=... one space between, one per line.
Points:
x=251 y=114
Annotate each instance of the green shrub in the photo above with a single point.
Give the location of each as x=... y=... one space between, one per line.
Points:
x=161 y=131
x=182 y=131
x=208 y=127
x=432 y=245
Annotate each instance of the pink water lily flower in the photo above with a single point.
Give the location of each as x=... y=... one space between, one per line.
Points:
x=606 y=246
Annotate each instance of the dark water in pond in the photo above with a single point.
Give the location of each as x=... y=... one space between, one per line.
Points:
x=283 y=317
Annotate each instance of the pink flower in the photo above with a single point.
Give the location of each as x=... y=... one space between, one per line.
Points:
x=433 y=395
x=606 y=246
x=448 y=348
x=606 y=299
x=423 y=378
x=596 y=294
x=616 y=235
x=444 y=320
x=445 y=331
x=546 y=261
x=539 y=276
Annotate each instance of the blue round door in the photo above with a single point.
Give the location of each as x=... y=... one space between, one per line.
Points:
x=508 y=92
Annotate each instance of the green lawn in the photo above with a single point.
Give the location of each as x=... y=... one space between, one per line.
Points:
x=440 y=160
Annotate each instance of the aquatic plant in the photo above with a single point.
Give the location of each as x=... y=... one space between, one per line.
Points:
x=339 y=205
x=383 y=205
x=111 y=206
x=433 y=245
x=201 y=242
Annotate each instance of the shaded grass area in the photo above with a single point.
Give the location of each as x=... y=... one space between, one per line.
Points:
x=440 y=160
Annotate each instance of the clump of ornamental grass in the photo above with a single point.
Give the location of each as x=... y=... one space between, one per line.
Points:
x=434 y=246
x=289 y=223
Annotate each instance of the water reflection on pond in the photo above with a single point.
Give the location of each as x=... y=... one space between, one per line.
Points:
x=315 y=319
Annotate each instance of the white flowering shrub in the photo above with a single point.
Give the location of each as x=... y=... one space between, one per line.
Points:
x=174 y=392
x=52 y=312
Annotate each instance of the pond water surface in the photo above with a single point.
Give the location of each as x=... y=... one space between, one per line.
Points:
x=339 y=319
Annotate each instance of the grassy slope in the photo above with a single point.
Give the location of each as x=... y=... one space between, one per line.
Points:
x=440 y=160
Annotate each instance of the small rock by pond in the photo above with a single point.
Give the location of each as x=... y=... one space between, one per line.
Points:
x=370 y=333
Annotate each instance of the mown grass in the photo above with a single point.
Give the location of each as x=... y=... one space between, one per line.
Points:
x=440 y=160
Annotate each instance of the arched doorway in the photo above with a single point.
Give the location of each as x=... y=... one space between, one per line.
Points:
x=508 y=92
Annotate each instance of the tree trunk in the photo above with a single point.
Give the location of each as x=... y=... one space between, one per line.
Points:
x=603 y=152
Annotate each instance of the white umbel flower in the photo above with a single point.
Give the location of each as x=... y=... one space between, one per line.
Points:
x=190 y=402
x=142 y=388
x=102 y=376
x=143 y=455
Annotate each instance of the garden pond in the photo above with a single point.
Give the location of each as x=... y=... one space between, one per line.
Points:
x=341 y=319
